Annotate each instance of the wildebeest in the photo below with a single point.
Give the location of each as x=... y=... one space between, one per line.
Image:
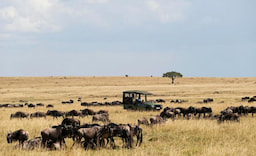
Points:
x=168 y=114
x=160 y=100
x=143 y=121
x=67 y=102
x=18 y=135
x=89 y=135
x=71 y=121
x=56 y=134
x=208 y=100
x=245 y=98
x=156 y=120
x=204 y=110
x=86 y=112
x=102 y=112
x=73 y=113
x=252 y=99
x=55 y=113
x=31 y=144
x=30 y=105
x=228 y=117
x=186 y=111
x=39 y=104
x=101 y=117
x=124 y=132
x=49 y=106
x=19 y=114
x=38 y=115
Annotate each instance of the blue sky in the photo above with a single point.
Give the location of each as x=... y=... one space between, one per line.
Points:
x=136 y=37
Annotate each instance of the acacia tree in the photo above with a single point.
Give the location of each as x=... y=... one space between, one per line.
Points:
x=173 y=75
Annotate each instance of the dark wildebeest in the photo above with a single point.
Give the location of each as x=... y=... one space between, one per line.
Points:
x=168 y=114
x=40 y=104
x=19 y=114
x=174 y=110
x=31 y=144
x=18 y=135
x=143 y=121
x=101 y=117
x=156 y=120
x=102 y=112
x=30 y=105
x=38 y=115
x=49 y=106
x=56 y=134
x=86 y=112
x=208 y=100
x=136 y=131
x=252 y=110
x=67 y=102
x=204 y=110
x=55 y=113
x=71 y=121
x=79 y=99
x=186 y=111
x=89 y=135
x=123 y=131
x=160 y=100
x=228 y=117
x=252 y=99
x=74 y=113
x=245 y=98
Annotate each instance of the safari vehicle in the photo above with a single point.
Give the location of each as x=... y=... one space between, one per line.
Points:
x=137 y=100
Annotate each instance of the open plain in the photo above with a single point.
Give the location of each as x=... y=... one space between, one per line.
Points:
x=179 y=137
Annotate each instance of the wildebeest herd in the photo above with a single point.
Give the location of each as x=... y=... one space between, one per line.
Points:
x=95 y=136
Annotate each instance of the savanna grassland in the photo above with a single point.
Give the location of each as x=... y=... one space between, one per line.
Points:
x=181 y=137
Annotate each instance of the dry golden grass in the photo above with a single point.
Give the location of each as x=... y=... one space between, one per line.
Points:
x=181 y=137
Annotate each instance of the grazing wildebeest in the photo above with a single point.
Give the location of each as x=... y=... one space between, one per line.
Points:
x=252 y=110
x=19 y=114
x=31 y=144
x=136 y=131
x=186 y=111
x=30 y=105
x=89 y=135
x=67 y=102
x=252 y=99
x=55 y=113
x=156 y=120
x=208 y=100
x=74 y=113
x=167 y=114
x=71 y=121
x=38 y=115
x=101 y=117
x=18 y=135
x=40 y=104
x=17 y=105
x=160 y=100
x=102 y=112
x=143 y=121
x=245 y=98
x=79 y=99
x=204 y=110
x=49 y=106
x=124 y=132
x=228 y=117
x=86 y=112
x=56 y=134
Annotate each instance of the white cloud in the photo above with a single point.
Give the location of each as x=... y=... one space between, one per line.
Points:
x=56 y=15
x=28 y=16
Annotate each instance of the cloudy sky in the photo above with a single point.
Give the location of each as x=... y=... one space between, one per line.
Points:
x=135 y=37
